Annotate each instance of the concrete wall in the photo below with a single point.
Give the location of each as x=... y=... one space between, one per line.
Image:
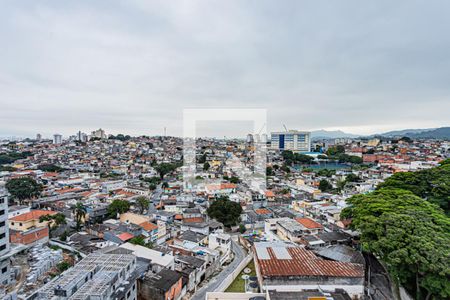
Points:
x=230 y=278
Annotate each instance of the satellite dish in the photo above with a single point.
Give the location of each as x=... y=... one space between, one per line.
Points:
x=245 y=277
x=247 y=270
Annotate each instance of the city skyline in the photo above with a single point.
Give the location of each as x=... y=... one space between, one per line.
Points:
x=133 y=68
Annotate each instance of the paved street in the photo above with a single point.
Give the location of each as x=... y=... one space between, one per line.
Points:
x=239 y=255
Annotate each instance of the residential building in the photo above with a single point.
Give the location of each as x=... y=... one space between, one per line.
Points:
x=4 y=238
x=57 y=139
x=164 y=285
x=29 y=220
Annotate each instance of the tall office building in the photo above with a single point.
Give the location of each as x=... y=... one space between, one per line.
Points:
x=4 y=238
x=293 y=140
x=38 y=137
x=57 y=138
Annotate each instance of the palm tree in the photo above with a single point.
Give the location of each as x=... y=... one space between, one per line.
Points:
x=80 y=212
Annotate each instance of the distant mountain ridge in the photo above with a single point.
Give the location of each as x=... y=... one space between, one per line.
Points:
x=425 y=133
x=404 y=132
x=332 y=134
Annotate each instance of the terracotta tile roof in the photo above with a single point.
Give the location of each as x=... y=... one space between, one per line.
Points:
x=32 y=215
x=178 y=217
x=125 y=236
x=302 y=262
x=193 y=220
x=269 y=193
x=50 y=174
x=222 y=186
x=262 y=211
x=63 y=191
x=309 y=223
x=148 y=226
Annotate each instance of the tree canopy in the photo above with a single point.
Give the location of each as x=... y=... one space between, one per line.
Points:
x=431 y=184
x=298 y=158
x=50 y=168
x=225 y=211
x=118 y=207
x=7 y=158
x=409 y=234
x=23 y=188
x=166 y=168
x=120 y=137
x=325 y=185
x=142 y=203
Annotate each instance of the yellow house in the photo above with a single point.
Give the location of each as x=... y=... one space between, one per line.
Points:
x=29 y=220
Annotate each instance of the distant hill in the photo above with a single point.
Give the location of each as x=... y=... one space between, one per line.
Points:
x=425 y=133
x=334 y=134
x=431 y=133
x=438 y=133
x=403 y=132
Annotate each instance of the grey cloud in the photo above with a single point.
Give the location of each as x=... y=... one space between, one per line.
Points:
x=132 y=66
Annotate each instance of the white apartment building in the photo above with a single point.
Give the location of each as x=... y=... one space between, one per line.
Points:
x=293 y=140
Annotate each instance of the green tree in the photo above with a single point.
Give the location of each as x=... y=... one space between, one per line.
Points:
x=50 y=168
x=234 y=180
x=118 y=207
x=325 y=185
x=409 y=234
x=326 y=172
x=79 y=211
x=23 y=188
x=64 y=236
x=142 y=203
x=7 y=158
x=62 y=266
x=139 y=240
x=202 y=159
x=166 y=168
x=335 y=150
x=431 y=184
x=225 y=211
x=206 y=166
x=269 y=171
x=53 y=220
x=242 y=228
x=352 y=178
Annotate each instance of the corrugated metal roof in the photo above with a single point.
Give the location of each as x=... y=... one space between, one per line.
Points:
x=302 y=262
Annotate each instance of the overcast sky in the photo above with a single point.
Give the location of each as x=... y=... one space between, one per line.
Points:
x=133 y=66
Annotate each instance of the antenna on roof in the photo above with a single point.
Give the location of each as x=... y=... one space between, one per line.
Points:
x=285 y=128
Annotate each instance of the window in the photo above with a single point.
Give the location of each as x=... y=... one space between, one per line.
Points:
x=2 y=235
x=2 y=247
x=2 y=212
x=2 y=224
x=4 y=270
x=12 y=223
